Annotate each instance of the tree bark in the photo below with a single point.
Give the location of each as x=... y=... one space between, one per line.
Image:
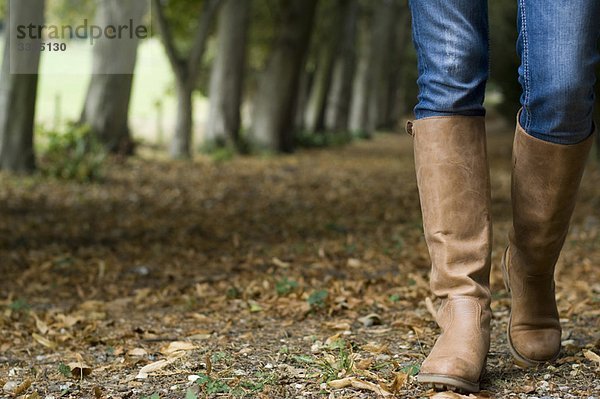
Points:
x=106 y=107
x=314 y=118
x=278 y=86
x=361 y=92
x=382 y=42
x=340 y=96
x=18 y=91
x=181 y=143
x=396 y=90
x=186 y=70
x=227 y=78
x=597 y=115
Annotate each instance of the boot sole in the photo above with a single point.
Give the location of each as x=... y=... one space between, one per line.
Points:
x=447 y=383
x=519 y=359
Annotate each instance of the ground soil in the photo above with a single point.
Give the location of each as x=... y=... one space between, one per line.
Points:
x=265 y=277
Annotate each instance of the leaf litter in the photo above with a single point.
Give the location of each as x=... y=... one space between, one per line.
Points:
x=302 y=276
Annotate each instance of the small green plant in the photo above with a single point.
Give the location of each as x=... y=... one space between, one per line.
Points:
x=219 y=356
x=64 y=370
x=411 y=369
x=261 y=380
x=317 y=299
x=19 y=305
x=332 y=367
x=285 y=286
x=211 y=385
x=73 y=154
x=153 y=396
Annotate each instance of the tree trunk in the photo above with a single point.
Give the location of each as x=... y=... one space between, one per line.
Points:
x=340 y=96
x=396 y=90
x=306 y=79
x=18 y=91
x=314 y=118
x=382 y=41
x=106 y=107
x=278 y=85
x=186 y=70
x=597 y=114
x=181 y=143
x=227 y=78
x=359 y=109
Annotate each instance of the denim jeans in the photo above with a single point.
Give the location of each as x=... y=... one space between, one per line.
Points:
x=558 y=47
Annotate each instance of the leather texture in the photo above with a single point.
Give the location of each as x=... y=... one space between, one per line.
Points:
x=454 y=189
x=545 y=181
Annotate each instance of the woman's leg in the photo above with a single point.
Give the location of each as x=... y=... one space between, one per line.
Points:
x=558 y=48
x=452 y=174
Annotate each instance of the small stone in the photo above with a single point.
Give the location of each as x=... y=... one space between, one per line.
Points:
x=10 y=386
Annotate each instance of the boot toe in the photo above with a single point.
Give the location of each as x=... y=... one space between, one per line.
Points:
x=536 y=345
x=452 y=366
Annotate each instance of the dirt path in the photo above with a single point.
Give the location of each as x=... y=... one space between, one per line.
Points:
x=260 y=278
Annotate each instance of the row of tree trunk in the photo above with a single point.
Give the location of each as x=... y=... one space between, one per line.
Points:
x=353 y=86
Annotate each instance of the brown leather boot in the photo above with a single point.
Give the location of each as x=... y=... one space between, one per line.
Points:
x=545 y=181
x=454 y=188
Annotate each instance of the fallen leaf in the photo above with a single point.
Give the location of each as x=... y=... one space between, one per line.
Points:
x=452 y=395
x=22 y=387
x=137 y=352
x=43 y=341
x=97 y=392
x=339 y=326
x=399 y=381
x=359 y=384
x=376 y=349
x=370 y=320
x=41 y=326
x=153 y=367
x=278 y=262
x=80 y=369
x=592 y=356
x=364 y=364
x=177 y=346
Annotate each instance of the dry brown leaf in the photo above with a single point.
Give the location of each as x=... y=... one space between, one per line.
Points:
x=399 y=381
x=337 y=325
x=371 y=320
x=80 y=369
x=452 y=395
x=359 y=384
x=34 y=395
x=363 y=364
x=177 y=346
x=43 y=341
x=97 y=392
x=22 y=387
x=279 y=263
x=137 y=352
x=153 y=367
x=592 y=356
x=40 y=325
x=375 y=348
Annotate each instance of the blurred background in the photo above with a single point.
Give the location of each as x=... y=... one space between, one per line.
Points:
x=227 y=76
x=236 y=76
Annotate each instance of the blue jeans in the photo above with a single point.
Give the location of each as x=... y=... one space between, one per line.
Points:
x=558 y=47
